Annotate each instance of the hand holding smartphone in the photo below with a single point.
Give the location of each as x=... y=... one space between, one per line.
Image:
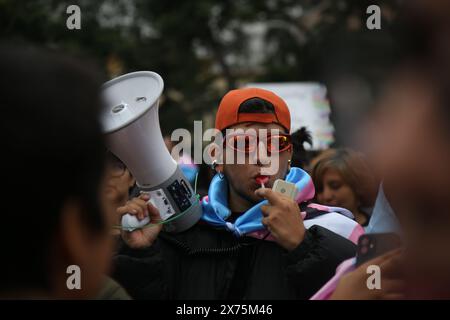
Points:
x=373 y=245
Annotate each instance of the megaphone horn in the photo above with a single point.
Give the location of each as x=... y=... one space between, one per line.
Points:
x=131 y=124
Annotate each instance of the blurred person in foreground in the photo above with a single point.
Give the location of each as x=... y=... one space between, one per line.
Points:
x=343 y=178
x=412 y=141
x=53 y=164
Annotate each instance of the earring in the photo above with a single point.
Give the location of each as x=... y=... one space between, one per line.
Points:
x=214 y=165
x=289 y=165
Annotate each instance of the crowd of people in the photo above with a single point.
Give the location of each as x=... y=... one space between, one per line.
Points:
x=251 y=242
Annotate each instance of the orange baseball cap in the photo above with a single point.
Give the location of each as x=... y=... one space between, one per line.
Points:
x=227 y=114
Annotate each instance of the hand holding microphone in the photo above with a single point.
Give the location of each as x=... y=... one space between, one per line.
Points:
x=142 y=209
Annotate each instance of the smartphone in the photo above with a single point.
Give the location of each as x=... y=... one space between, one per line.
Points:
x=373 y=245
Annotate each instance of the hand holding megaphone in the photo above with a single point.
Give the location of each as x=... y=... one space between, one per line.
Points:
x=131 y=222
x=142 y=210
x=131 y=124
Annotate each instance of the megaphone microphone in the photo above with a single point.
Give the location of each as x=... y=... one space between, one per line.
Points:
x=131 y=124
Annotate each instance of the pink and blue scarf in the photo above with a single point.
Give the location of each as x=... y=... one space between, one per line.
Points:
x=216 y=211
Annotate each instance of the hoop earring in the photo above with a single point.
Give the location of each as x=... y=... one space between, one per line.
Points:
x=289 y=165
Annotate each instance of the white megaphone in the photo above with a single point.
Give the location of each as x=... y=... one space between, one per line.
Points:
x=131 y=124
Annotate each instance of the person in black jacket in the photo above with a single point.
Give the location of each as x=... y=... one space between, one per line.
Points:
x=222 y=257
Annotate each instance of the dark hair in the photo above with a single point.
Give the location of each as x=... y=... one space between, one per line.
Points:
x=256 y=105
x=52 y=152
x=299 y=155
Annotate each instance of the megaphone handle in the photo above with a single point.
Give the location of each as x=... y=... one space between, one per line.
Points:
x=131 y=222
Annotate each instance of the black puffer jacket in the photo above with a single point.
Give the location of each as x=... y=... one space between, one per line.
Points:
x=206 y=263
